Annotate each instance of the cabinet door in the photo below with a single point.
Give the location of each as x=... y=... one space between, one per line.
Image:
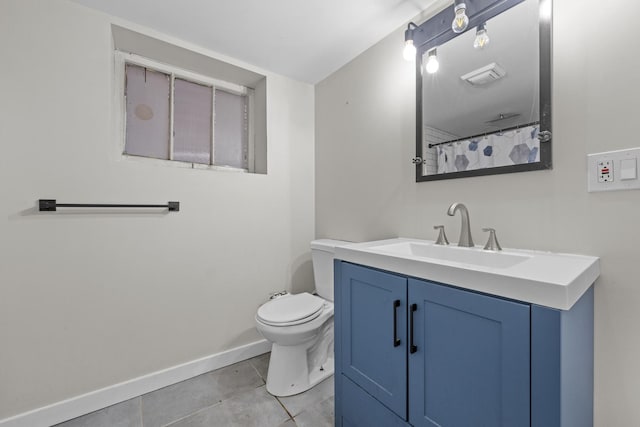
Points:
x=374 y=355
x=471 y=363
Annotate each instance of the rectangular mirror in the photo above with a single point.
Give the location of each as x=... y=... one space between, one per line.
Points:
x=487 y=108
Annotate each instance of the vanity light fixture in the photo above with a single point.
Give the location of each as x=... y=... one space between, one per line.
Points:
x=432 y=61
x=482 y=37
x=409 y=52
x=460 y=19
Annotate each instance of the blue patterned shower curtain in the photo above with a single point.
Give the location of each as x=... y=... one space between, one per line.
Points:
x=513 y=147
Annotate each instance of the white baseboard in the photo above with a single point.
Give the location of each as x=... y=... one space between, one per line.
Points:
x=49 y=415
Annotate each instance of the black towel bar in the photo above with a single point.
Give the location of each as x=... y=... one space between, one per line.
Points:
x=50 y=205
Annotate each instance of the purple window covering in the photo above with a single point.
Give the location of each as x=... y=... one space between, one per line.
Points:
x=192 y=122
x=231 y=134
x=147 y=95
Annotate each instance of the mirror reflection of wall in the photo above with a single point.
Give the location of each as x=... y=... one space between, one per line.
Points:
x=481 y=108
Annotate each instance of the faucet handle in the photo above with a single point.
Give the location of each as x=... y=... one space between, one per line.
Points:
x=442 y=237
x=492 y=243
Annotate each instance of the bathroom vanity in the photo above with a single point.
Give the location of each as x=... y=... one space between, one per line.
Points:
x=431 y=335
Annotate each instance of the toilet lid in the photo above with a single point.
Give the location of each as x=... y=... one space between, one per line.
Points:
x=291 y=309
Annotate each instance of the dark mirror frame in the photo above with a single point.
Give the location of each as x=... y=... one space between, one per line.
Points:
x=437 y=31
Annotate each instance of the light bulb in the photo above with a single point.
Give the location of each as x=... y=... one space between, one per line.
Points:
x=409 y=51
x=460 y=20
x=432 y=63
x=545 y=10
x=482 y=37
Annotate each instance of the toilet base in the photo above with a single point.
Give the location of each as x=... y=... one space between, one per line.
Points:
x=294 y=369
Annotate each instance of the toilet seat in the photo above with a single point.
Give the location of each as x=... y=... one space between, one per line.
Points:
x=290 y=310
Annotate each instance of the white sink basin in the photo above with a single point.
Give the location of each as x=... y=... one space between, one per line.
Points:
x=491 y=259
x=544 y=278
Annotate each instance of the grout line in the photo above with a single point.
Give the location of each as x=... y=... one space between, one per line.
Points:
x=264 y=381
x=223 y=400
x=251 y=362
x=285 y=409
x=218 y=402
x=140 y=408
x=191 y=414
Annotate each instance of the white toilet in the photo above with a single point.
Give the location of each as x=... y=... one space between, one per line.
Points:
x=300 y=328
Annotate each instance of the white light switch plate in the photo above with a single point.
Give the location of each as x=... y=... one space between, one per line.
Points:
x=628 y=169
x=613 y=170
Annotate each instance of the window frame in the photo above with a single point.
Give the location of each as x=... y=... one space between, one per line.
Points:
x=122 y=59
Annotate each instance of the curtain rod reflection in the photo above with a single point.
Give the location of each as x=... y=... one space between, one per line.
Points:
x=485 y=134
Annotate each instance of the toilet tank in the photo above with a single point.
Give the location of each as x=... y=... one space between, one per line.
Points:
x=322 y=252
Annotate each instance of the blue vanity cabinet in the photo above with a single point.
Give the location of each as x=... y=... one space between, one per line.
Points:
x=432 y=355
x=410 y=352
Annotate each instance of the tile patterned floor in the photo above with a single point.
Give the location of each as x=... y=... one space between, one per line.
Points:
x=233 y=396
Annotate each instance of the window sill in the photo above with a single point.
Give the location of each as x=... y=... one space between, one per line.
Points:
x=183 y=165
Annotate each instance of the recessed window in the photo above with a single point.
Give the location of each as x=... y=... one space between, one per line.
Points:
x=176 y=115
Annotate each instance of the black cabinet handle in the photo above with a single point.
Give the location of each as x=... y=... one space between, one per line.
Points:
x=396 y=341
x=412 y=346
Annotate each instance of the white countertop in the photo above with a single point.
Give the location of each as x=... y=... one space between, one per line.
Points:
x=544 y=278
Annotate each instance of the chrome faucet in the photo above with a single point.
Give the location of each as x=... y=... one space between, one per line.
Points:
x=465 y=230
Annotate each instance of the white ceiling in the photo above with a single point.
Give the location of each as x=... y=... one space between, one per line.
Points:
x=306 y=40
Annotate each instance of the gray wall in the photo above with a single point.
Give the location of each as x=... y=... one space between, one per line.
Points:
x=88 y=300
x=365 y=186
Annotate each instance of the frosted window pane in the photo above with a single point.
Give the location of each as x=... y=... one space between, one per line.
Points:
x=147 y=94
x=192 y=122
x=231 y=130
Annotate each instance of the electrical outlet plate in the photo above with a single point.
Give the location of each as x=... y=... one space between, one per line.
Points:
x=605 y=170
x=613 y=170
